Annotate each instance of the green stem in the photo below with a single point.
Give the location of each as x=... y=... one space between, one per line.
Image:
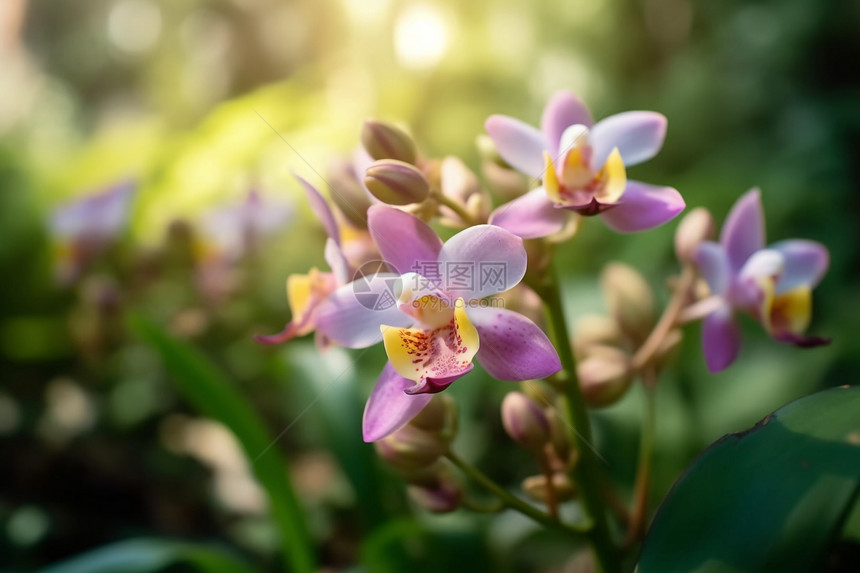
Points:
x=639 y=511
x=586 y=473
x=509 y=499
x=458 y=209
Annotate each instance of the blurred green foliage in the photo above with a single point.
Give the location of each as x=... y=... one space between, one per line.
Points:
x=199 y=100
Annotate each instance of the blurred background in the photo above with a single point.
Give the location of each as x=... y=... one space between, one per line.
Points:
x=139 y=137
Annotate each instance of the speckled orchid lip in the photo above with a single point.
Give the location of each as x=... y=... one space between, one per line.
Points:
x=772 y=284
x=591 y=179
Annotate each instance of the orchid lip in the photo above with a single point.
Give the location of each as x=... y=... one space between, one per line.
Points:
x=434 y=385
x=594 y=207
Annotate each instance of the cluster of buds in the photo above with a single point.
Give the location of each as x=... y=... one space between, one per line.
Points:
x=416 y=451
x=540 y=430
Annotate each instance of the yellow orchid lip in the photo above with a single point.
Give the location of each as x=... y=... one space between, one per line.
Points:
x=578 y=188
x=433 y=356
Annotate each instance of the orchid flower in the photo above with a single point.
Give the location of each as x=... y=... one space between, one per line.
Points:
x=774 y=284
x=432 y=315
x=84 y=227
x=306 y=292
x=590 y=176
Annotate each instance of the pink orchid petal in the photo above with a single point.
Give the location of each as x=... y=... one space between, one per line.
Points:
x=638 y=135
x=389 y=408
x=714 y=265
x=805 y=263
x=353 y=314
x=405 y=242
x=321 y=209
x=512 y=346
x=531 y=216
x=337 y=262
x=481 y=261
x=520 y=144
x=721 y=339
x=563 y=110
x=743 y=232
x=643 y=207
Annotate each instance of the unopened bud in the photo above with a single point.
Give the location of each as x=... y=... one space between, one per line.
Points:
x=396 y=182
x=536 y=487
x=507 y=183
x=487 y=150
x=558 y=435
x=630 y=300
x=695 y=227
x=604 y=376
x=350 y=197
x=439 y=417
x=525 y=421
x=410 y=448
x=382 y=140
x=442 y=494
x=595 y=329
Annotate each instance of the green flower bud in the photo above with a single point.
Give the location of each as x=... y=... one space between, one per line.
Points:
x=525 y=421
x=439 y=417
x=630 y=300
x=604 y=376
x=349 y=196
x=410 y=448
x=695 y=227
x=396 y=182
x=382 y=140
x=536 y=487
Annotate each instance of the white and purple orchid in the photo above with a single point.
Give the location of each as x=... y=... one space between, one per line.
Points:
x=774 y=284
x=590 y=178
x=433 y=316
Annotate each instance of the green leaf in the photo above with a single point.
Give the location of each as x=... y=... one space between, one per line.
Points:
x=772 y=498
x=149 y=555
x=212 y=393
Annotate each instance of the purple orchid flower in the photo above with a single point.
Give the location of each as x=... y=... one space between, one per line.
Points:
x=433 y=317
x=306 y=292
x=82 y=228
x=773 y=284
x=590 y=178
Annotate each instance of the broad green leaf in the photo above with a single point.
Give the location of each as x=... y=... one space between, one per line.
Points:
x=212 y=393
x=149 y=555
x=769 y=499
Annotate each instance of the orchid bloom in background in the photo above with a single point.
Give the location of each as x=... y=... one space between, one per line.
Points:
x=306 y=292
x=774 y=284
x=84 y=227
x=583 y=168
x=433 y=316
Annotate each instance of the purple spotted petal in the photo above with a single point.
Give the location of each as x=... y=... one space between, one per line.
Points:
x=404 y=240
x=389 y=408
x=321 y=209
x=721 y=339
x=512 y=347
x=743 y=231
x=643 y=207
x=520 y=144
x=481 y=261
x=805 y=263
x=638 y=135
x=563 y=110
x=353 y=314
x=714 y=266
x=531 y=216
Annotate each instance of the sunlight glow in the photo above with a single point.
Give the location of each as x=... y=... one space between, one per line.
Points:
x=420 y=36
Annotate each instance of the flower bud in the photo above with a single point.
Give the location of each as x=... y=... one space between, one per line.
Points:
x=695 y=227
x=604 y=376
x=410 y=448
x=535 y=487
x=349 y=196
x=382 y=140
x=487 y=150
x=396 y=182
x=524 y=421
x=439 y=417
x=629 y=299
x=595 y=329
x=442 y=494
x=558 y=435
